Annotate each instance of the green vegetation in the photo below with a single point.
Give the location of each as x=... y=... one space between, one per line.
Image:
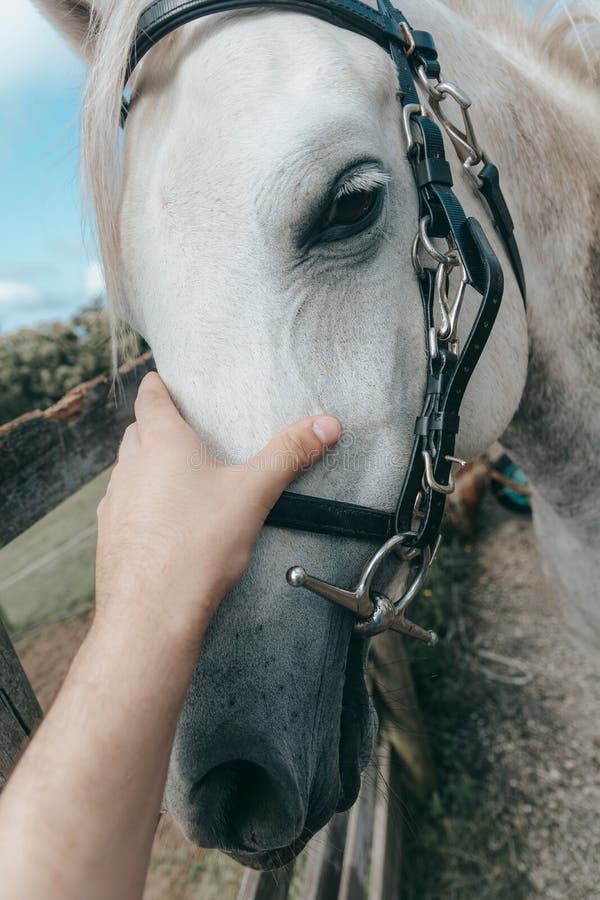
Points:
x=39 y=365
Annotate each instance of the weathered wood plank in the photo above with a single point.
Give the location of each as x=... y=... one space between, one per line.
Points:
x=386 y=848
x=12 y=740
x=47 y=456
x=266 y=885
x=396 y=701
x=324 y=863
x=19 y=709
x=355 y=865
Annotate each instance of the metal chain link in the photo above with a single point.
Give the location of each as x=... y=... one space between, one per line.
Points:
x=465 y=142
x=446 y=263
x=472 y=156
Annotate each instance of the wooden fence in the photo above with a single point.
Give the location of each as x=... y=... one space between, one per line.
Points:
x=358 y=856
x=47 y=456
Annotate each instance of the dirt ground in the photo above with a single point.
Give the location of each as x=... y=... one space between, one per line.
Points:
x=531 y=742
x=550 y=747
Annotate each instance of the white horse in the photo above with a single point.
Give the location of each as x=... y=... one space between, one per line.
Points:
x=264 y=299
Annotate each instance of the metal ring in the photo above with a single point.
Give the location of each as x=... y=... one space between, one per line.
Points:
x=389 y=613
x=469 y=166
x=377 y=612
x=403 y=602
x=426 y=241
x=416 y=261
x=408 y=111
x=433 y=92
x=359 y=600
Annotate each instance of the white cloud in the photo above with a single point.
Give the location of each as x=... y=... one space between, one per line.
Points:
x=31 y=51
x=93 y=281
x=18 y=293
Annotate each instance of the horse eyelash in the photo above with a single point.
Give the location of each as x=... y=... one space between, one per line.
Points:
x=362 y=181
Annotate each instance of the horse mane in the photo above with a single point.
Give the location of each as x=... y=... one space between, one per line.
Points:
x=100 y=140
x=564 y=35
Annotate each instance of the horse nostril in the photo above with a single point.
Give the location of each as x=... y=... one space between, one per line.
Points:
x=248 y=807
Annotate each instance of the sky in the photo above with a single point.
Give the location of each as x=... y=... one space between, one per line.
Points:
x=47 y=269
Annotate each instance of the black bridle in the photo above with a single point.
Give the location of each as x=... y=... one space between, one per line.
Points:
x=413 y=530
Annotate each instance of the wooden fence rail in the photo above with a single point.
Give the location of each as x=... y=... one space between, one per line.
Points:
x=47 y=456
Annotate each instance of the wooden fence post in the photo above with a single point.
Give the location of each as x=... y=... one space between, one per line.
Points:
x=386 y=855
x=266 y=885
x=19 y=710
x=324 y=860
x=398 y=709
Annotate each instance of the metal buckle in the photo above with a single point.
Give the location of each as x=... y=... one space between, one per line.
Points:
x=376 y=612
x=408 y=111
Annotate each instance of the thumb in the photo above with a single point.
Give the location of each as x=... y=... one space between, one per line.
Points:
x=154 y=409
x=289 y=453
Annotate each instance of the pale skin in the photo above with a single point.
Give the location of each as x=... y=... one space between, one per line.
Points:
x=78 y=816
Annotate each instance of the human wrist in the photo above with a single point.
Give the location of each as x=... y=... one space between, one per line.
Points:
x=163 y=601
x=128 y=625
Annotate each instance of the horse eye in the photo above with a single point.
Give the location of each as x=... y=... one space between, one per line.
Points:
x=349 y=209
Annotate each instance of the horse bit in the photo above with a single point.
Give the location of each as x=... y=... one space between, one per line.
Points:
x=412 y=532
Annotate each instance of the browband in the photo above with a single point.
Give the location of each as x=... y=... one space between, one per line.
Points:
x=164 y=16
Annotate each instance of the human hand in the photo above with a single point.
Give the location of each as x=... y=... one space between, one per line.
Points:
x=177 y=527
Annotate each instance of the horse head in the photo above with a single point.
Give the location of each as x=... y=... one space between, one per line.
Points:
x=258 y=234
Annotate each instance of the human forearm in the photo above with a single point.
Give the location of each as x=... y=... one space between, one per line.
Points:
x=78 y=817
